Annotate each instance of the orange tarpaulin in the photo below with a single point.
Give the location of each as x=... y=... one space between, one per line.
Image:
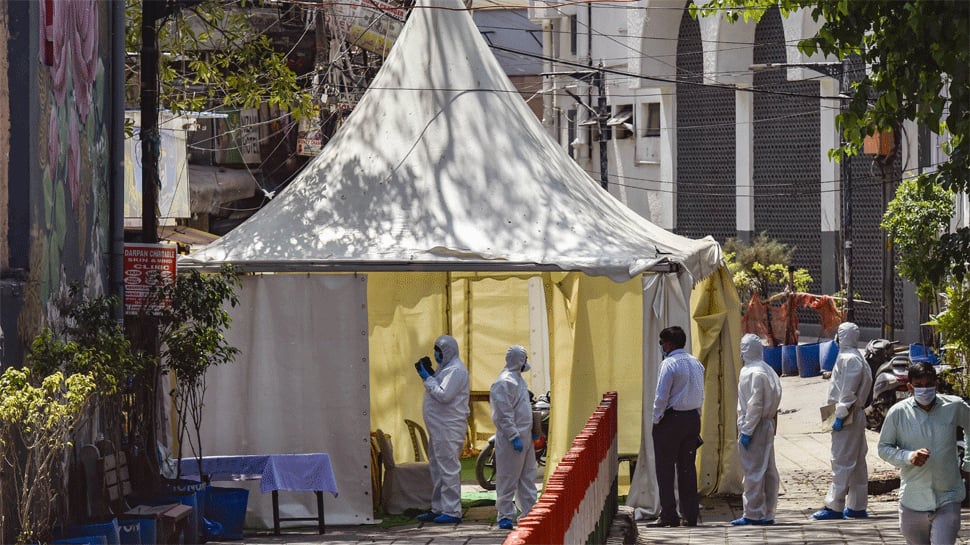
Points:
x=774 y=322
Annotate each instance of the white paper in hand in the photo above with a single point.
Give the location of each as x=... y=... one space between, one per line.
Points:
x=828 y=417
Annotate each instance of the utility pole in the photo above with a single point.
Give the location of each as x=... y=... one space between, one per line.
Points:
x=601 y=117
x=152 y=11
x=596 y=79
x=846 y=172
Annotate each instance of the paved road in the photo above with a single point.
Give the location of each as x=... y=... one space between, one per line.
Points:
x=803 y=462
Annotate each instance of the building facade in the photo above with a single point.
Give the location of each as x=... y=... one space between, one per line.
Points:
x=724 y=129
x=60 y=153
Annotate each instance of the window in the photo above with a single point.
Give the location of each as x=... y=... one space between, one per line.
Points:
x=650 y=119
x=573 y=32
x=648 y=133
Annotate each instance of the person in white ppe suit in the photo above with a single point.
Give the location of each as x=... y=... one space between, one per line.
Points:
x=515 y=459
x=445 y=412
x=759 y=394
x=849 y=386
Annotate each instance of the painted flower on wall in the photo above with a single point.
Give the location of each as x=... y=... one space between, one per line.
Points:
x=69 y=230
x=69 y=40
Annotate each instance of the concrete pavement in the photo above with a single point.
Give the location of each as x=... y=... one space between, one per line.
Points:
x=802 y=452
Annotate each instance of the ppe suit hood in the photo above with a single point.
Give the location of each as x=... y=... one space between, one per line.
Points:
x=751 y=348
x=515 y=358
x=448 y=346
x=848 y=335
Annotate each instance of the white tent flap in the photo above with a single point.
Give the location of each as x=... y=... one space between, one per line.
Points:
x=300 y=384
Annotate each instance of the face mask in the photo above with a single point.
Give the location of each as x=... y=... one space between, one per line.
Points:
x=663 y=353
x=924 y=395
x=437 y=355
x=526 y=366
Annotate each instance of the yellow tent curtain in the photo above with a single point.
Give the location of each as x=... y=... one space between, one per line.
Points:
x=595 y=329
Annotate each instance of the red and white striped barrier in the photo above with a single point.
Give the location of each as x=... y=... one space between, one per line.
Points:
x=579 y=500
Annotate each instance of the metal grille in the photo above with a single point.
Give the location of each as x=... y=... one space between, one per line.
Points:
x=868 y=239
x=786 y=166
x=705 y=145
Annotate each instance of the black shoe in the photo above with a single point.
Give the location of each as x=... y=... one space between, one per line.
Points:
x=690 y=523
x=660 y=523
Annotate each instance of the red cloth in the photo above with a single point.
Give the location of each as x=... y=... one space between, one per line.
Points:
x=776 y=325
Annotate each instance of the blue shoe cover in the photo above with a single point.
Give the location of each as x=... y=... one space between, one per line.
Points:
x=853 y=514
x=427 y=517
x=767 y=522
x=506 y=524
x=743 y=521
x=447 y=519
x=827 y=514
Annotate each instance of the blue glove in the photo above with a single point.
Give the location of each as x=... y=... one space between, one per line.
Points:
x=745 y=440
x=517 y=444
x=535 y=436
x=424 y=373
x=837 y=425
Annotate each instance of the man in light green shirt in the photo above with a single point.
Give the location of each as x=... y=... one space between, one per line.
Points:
x=919 y=437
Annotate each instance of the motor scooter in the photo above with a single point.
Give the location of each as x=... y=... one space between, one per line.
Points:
x=890 y=377
x=485 y=464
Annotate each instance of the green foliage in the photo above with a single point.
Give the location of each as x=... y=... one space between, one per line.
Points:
x=211 y=55
x=92 y=342
x=916 y=53
x=37 y=416
x=953 y=323
x=914 y=221
x=192 y=330
x=762 y=267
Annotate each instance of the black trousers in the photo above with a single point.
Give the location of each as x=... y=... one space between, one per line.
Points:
x=675 y=448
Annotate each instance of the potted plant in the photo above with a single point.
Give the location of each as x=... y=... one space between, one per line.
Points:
x=192 y=330
x=762 y=273
x=77 y=373
x=38 y=415
x=953 y=325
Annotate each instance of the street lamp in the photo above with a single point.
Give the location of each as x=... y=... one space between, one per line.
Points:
x=837 y=71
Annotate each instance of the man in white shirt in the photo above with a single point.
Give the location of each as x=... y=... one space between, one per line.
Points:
x=676 y=428
x=919 y=437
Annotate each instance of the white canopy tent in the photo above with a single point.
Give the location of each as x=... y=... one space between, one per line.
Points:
x=445 y=191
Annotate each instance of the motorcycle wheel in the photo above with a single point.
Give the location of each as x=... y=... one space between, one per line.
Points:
x=485 y=467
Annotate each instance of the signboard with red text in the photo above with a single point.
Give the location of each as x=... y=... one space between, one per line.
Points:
x=145 y=266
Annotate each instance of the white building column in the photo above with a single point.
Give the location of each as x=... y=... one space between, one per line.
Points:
x=831 y=193
x=744 y=162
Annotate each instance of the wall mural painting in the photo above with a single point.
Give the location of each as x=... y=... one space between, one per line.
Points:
x=69 y=232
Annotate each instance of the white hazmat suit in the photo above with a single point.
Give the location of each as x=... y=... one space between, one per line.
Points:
x=848 y=389
x=445 y=412
x=515 y=471
x=759 y=394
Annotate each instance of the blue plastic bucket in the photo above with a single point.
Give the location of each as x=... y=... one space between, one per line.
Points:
x=772 y=357
x=921 y=352
x=146 y=526
x=227 y=506
x=828 y=353
x=129 y=532
x=187 y=486
x=109 y=530
x=789 y=360
x=809 y=364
